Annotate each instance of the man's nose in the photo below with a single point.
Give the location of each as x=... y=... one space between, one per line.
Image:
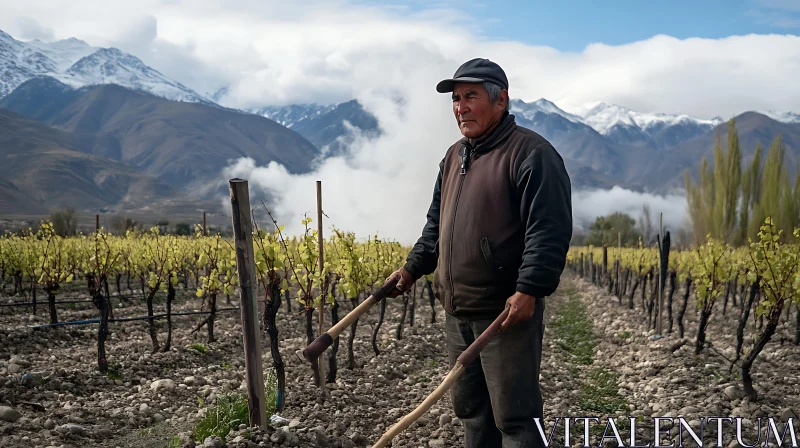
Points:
x=461 y=107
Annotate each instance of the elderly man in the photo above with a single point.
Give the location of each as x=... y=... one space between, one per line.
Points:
x=498 y=230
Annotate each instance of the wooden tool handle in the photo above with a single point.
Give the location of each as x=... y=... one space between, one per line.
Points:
x=470 y=353
x=325 y=340
x=467 y=356
x=410 y=418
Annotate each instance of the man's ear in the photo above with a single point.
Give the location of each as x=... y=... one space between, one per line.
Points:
x=504 y=96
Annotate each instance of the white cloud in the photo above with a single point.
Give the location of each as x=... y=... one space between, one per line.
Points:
x=383 y=185
x=287 y=52
x=30 y=29
x=587 y=205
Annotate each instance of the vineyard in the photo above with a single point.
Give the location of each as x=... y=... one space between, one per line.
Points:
x=764 y=276
x=169 y=277
x=121 y=312
x=156 y=264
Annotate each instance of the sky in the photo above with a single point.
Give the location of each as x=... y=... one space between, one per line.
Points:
x=572 y=25
x=703 y=58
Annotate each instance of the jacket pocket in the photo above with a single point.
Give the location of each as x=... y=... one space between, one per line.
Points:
x=488 y=256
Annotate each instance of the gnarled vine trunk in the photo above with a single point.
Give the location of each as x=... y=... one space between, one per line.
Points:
x=377 y=328
x=270 y=312
x=399 y=332
x=633 y=291
x=672 y=277
x=51 y=303
x=432 y=300
x=108 y=298
x=212 y=317
x=686 y=292
x=117 y=279
x=705 y=313
x=351 y=359
x=772 y=323
x=170 y=298
x=151 y=323
x=332 y=367
x=743 y=322
x=309 y=339
x=96 y=292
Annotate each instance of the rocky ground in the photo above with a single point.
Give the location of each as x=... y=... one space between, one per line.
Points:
x=657 y=381
x=599 y=360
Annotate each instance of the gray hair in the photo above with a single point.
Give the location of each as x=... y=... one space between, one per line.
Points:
x=494 y=93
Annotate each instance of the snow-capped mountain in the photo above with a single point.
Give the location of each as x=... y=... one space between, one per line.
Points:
x=218 y=95
x=783 y=117
x=64 y=52
x=112 y=66
x=324 y=125
x=528 y=110
x=621 y=124
x=78 y=64
x=655 y=130
x=294 y=114
x=18 y=63
x=603 y=117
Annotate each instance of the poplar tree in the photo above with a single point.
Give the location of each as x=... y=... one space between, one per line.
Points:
x=773 y=179
x=751 y=185
x=727 y=178
x=730 y=204
x=713 y=202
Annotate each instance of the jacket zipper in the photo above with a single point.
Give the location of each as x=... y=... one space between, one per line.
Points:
x=464 y=168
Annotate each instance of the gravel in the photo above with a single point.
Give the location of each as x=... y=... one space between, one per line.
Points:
x=8 y=414
x=679 y=383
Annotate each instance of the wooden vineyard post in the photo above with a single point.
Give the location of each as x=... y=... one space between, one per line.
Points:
x=321 y=310
x=662 y=271
x=617 y=268
x=204 y=224
x=245 y=264
x=102 y=332
x=663 y=256
x=96 y=223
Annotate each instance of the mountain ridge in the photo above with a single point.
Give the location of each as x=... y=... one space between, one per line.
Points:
x=48 y=169
x=184 y=146
x=114 y=106
x=642 y=152
x=76 y=63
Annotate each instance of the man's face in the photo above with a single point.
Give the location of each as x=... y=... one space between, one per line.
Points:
x=474 y=112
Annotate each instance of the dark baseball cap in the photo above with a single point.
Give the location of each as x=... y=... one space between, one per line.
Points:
x=475 y=70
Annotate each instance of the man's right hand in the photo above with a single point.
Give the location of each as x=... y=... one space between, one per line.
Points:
x=404 y=282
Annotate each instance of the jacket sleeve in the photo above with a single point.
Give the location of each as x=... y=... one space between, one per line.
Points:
x=544 y=191
x=424 y=256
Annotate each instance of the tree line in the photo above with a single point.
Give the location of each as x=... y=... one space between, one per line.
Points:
x=66 y=222
x=730 y=203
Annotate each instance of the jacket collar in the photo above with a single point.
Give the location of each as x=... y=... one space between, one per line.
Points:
x=498 y=134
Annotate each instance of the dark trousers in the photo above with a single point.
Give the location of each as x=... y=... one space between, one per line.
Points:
x=498 y=396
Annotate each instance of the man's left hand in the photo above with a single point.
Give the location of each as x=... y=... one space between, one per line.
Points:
x=521 y=307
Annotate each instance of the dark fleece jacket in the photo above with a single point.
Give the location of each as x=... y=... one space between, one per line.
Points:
x=500 y=221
